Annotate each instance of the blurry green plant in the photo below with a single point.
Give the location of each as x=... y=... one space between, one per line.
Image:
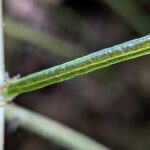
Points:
x=50 y=129
x=11 y=88
x=132 y=13
x=48 y=42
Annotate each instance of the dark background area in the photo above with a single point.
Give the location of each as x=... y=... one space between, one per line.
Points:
x=111 y=105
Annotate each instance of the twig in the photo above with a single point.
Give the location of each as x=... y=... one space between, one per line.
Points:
x=48 y=42
x=51 y=130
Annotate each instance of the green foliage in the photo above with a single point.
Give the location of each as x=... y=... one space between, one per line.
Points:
x=50 y=129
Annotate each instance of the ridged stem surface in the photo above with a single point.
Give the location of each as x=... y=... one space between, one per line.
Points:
x=77 y=67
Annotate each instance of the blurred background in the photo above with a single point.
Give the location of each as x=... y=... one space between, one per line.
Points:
x=111 y=105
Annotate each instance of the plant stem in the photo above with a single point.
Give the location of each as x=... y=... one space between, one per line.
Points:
x=48 y=42
x=77 y=67
x=51 y=129
x=1 y=79
x=132 y=13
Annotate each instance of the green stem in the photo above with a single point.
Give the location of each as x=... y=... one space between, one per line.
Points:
x=77 y=67
x=1 y=78
x=50 y=129
x=132 y=13
x=48 y=42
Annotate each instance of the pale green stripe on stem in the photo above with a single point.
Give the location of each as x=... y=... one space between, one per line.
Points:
x=50 y=129
x=77 y=67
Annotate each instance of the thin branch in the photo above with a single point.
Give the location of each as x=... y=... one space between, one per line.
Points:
x=1 y=78
x=77 y=67
x=50 y=129
x=48 y=42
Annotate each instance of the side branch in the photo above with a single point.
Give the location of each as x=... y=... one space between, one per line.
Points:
x=51 y=130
